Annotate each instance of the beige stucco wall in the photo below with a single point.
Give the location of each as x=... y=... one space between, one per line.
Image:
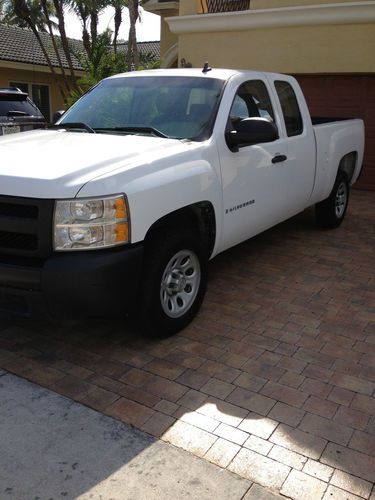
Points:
x=12 y=74
x=307 y=49
x=319 y=48
x=188 y=7
x=277 y=4
x=167 y=38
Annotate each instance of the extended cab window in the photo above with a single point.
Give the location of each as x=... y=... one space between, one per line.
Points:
x=251 y=100
x=289 y=105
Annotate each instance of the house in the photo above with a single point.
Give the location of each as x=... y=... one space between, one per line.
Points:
x=23 y=65
x=328 y=46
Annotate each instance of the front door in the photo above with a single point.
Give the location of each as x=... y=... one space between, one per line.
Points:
x=254 y=178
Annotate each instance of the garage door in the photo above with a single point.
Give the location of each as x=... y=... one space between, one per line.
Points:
x=347 y=96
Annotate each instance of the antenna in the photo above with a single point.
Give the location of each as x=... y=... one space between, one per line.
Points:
x=206 y=68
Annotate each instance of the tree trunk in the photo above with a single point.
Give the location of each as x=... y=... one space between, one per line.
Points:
x=133 y=56
x=55 y=47
x=82 y=12
x=118 y=21
x=49 y=62
x=86 y=40
x=94 y=19
x=64 y=40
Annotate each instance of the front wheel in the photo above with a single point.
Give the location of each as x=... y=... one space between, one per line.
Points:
x=331 y=212
x=174 y=282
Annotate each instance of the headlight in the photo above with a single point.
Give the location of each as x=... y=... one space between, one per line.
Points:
x=85 y=224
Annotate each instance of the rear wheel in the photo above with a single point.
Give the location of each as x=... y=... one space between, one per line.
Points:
x=331 y=212
x=174 y=282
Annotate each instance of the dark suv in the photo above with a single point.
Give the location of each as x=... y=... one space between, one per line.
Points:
x=18 y=113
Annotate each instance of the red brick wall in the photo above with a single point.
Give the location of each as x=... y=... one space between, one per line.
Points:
x=347 y=96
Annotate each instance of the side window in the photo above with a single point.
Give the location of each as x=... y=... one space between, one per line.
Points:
x=252 y=99
x=289 y=105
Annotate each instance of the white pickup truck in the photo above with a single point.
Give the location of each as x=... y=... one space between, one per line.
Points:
x=120 y=206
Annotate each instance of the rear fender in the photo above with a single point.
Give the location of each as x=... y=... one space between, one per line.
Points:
x=340 y=145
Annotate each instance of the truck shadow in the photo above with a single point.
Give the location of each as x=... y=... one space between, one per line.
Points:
x=278 y=354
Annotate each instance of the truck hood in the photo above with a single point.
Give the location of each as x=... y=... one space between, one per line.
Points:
x=56 y=164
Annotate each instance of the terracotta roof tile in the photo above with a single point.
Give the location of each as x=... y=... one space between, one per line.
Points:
x=20 y=45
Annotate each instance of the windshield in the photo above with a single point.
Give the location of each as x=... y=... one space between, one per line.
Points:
x=179 y=107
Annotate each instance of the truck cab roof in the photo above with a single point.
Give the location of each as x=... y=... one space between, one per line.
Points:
x=218 y=73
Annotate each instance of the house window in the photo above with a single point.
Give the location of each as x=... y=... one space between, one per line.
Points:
x=40 y=95
x=37 y=93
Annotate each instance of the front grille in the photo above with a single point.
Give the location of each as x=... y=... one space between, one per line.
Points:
x=13 y=302
x=25 y=226
x=12 y=210
x=18 y=241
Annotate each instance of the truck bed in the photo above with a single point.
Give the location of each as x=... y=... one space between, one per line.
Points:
x=333 y=136
x=319 y=120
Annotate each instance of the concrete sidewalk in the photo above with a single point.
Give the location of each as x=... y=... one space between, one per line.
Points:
x=52 y=447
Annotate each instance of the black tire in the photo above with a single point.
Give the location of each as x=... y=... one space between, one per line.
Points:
x=331 y=212
x=174 y=282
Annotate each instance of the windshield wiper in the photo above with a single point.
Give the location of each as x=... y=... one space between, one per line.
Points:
x=74 y=125
x=135 y=130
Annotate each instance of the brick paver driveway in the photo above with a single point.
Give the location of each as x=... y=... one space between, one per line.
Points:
x=274 y=380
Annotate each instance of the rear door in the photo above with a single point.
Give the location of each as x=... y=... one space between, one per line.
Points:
x=299 y=140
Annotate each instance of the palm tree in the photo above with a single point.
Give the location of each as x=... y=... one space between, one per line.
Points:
x=2 y=10
x=47 y=13
x=34 y=11
x=36 y=15
x=118 y=5
x=81 y=10
x=133 y=55
x=134 y=15
x=88 y=12
x=95 y=8
x=59 y=12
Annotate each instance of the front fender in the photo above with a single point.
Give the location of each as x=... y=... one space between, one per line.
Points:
x=163 y=186
x=166 y=191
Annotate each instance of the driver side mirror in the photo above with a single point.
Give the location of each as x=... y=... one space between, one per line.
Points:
x=251 y=131
x=57 y=115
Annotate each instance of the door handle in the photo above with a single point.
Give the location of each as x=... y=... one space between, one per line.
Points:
x=279 y=159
